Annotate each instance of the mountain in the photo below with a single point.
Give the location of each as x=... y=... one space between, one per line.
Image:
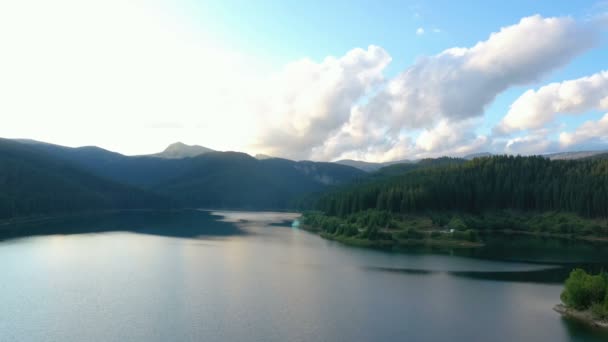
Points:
x=33 y=182
x=477 y=155
x=368 y=166
x=603 y=155
x=237 y=180
x=213 y=179
x=263 y=156
x=180 y=150
x=533 y=184
x=573 y=155
x=372 y=167
x=399 y=169
x=361 y=165
x=141 y=171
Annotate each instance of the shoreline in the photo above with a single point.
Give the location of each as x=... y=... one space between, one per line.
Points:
x=4 y=223
x=600 y=239
x=7 y=222
x=394 y=244
x=581 y=316
x=437 y=243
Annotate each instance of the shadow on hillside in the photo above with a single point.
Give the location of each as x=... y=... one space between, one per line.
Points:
x=179 y=223
x=549 y=275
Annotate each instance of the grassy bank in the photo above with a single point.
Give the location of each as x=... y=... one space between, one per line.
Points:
x=380 y=229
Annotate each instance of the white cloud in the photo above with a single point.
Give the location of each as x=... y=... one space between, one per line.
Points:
x=420 y=31
x=456 y=85
x=308 y=101
x=536 y=142
x=450 y=139
x=588 y=133
x=534 y=109
x=459 y=82
x=136 y=75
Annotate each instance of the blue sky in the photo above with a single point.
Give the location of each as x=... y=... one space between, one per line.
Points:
x=254 y=76
x=283 y=31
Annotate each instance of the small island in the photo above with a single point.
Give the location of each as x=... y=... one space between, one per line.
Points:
x=585 y=298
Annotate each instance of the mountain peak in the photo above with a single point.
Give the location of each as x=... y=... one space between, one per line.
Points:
x=180 y=150
x=261 y=156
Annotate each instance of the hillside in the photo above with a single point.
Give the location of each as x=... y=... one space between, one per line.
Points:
x=237 y=180
x=34 y=183
x=213 y=179
x=453 y=203
x=501 y=182
x=399 y=169
x=369 y=166
x=142 y=171
x=575 y=155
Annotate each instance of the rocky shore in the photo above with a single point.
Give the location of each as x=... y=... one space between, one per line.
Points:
x=582 y=316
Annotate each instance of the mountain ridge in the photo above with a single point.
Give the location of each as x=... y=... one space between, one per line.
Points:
x=180 y=150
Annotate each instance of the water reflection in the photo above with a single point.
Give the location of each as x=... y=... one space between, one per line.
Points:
x=264 y=281
x=178 y=223
x=573 y=329
x=550 y=275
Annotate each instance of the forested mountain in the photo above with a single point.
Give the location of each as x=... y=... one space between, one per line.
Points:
x=150 y=172
x=371 y=167
x=237 y=180
x=491 y=183
x=142 y=171
x=575 y=155
x=43 y=178
x=35 y=174
x=32 y=182
x=399 y=169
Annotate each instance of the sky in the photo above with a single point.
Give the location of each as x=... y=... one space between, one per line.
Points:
x=320 y=80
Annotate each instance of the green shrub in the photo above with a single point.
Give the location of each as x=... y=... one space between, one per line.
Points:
x=582 y=289
x=410 y=233
x=599 y=311
x=457 y=223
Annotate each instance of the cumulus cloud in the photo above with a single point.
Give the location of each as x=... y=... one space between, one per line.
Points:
x=535 y=108
x=372 y=141
x=589 y=133
x=308 y=101
x=536 y=142
x=456 y=85
x=450 y=139
x=420 y=31
x=86 y=65
x=459 y=82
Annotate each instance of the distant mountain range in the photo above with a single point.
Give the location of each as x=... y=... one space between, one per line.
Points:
x=477 y=155
x=369 y=166
x=181 y=150
x=33 y=182
x=43 y=178
x=372 y=167
x=575 y=155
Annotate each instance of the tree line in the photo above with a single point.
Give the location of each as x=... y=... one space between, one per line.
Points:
x=530 y=183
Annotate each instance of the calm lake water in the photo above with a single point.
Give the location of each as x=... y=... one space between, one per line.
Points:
x=242 y=276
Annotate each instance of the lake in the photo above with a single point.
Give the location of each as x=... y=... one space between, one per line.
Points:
x=245 y=276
